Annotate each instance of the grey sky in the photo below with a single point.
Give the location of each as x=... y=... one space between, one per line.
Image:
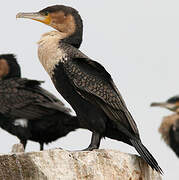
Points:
x=138 y=43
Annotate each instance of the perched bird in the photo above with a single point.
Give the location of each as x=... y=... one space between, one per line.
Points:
x=27 y=110
x=85 y=83
x=169 y=127
x=172 y=104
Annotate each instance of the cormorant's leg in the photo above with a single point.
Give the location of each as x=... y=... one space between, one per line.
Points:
x=95 y=142
x=41 y=146
x=23 y=142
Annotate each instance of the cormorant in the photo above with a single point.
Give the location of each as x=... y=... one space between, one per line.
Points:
x=169 y=127
x=84 y=83
x=172 y=104
x=27 y=110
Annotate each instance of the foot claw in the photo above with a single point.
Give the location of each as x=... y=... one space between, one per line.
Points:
x=90 y=148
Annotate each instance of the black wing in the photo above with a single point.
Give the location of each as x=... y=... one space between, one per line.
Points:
x=23 y=98
x=95 y=84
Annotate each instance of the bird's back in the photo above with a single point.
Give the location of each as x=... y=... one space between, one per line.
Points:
x=46 y=117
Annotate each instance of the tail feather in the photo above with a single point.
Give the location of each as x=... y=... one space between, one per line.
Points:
x=146 y=155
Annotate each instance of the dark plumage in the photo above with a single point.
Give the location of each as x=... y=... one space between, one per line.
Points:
x=84 y=83
x=174 y=137
x=173 y=99
x=30 y=112
x=169 y=127
x=169 y=130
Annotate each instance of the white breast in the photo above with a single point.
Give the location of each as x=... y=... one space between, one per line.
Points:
x=49 y=52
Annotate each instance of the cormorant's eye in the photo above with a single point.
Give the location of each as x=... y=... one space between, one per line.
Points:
x=45 y=13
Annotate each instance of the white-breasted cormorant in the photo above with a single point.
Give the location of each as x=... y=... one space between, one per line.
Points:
x=27 y=110
x=85 y=83
x=169 y=127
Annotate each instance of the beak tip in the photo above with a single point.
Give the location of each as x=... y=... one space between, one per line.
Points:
x=34 y=16
x=18 y=15
x=154 y=104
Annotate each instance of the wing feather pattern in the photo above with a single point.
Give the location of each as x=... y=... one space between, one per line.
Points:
x=95 y=84
x=23 y=98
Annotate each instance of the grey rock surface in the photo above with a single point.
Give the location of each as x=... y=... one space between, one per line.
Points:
x=58 y=164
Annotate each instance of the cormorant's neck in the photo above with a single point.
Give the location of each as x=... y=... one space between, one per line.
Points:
x=52 y=49
x=14 y=70
x=48 y=50
x=74 y=39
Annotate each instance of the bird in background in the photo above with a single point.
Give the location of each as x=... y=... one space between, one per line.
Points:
x=169 y=128
x=27 y=110
x=171 y=104
x=83 y=82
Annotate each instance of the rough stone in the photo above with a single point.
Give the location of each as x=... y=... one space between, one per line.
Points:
x=17 y=148
x=58 y=164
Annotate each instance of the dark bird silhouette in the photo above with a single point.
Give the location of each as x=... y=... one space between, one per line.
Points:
x=27 y=110
x=169 y=127
x=85 y=83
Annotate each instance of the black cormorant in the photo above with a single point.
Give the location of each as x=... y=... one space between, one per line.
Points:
x=169 y=127
x=85 y=83
x=27 y=110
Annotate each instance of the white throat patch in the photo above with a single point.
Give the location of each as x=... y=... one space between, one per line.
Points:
x=49 y=52
x=21 y=122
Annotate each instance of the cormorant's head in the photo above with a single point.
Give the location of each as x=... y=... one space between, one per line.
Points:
x=9 y=66
x=63 y=18
x=171 y=104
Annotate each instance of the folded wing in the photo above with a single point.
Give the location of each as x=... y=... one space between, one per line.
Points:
x=95 y=84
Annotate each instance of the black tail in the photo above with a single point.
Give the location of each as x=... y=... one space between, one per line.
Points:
x=146 y=155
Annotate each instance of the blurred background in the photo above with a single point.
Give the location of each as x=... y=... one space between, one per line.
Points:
x=137 y=42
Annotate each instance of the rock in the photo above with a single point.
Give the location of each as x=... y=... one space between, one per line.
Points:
x=17 y=148
x=58 y=164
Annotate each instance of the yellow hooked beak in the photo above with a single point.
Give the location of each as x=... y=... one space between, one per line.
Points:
x=46 y=19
